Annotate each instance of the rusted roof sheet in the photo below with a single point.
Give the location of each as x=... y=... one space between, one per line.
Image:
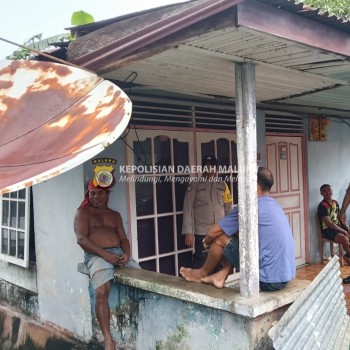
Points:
x=52 y=118
x=129 y=37
x=91 y=27
x=145 y=35
x=292 y=6
x=296 y=58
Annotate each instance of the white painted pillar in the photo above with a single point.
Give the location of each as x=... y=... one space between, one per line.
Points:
x=247 y=179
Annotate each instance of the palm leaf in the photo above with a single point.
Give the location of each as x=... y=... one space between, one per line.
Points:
x=80 y=18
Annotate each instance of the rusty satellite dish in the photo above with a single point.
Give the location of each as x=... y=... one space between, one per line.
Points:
x=54 y=117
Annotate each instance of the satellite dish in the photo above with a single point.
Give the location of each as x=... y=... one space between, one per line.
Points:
x=54 y=117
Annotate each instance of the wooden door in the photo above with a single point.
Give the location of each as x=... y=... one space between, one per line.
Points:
x=284 y=157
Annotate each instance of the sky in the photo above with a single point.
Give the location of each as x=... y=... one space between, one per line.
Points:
x=22 y=19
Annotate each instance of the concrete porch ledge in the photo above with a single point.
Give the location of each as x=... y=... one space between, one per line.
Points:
x=227 y=299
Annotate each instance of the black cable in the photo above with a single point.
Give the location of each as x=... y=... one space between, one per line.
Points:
x=138 y=158
x=132 y=76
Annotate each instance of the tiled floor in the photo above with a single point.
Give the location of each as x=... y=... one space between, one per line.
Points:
x=311 y=271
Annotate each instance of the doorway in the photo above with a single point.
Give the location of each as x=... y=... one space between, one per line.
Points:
x=284 y=157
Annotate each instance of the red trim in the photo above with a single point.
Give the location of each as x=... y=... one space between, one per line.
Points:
x=300 y=244
x=305 y=192
x=276 y=167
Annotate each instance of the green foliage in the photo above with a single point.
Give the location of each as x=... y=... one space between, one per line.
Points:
x=80 y=18
x=339 y=8
x=44 y=44
x=21 y=53
x=36 y=42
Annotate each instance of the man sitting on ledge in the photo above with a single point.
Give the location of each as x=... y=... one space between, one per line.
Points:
x=276 y=244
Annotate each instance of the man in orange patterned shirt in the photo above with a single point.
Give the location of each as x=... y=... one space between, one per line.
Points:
x=333 y=228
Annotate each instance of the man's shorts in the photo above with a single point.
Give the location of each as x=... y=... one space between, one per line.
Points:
x=100 y=270
x=231 y=252
x=330 y=234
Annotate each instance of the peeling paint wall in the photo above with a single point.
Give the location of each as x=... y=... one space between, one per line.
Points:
x=146 y=321
x=18 y=332
x=19 y=298
x=327 y=162
x=62 y=292
x=19 y=276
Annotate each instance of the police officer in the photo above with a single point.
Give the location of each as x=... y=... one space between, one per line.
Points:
x=207 y=200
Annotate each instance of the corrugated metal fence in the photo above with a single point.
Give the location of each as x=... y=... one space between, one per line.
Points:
x=318 y=318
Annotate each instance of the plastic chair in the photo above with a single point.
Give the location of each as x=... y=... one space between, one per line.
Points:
x=323 y=240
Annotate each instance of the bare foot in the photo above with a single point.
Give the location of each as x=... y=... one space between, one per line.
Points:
x=346 y=260
x=110 y=344
x=192 y=275
x=216 y=279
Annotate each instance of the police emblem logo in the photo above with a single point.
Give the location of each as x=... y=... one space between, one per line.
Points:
x=103 y=176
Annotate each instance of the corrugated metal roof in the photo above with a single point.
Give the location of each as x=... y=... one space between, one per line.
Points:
x=127 y=38
x=196 y=55
x=91 y=27
x=203 y=66
x=289 y=5
x=52 y=118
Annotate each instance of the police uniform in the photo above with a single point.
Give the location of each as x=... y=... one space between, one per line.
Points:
x=207 y=200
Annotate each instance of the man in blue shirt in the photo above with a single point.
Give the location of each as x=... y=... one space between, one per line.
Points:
x=276 y=244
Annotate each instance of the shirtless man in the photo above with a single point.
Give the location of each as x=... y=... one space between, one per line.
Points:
x=100 y=233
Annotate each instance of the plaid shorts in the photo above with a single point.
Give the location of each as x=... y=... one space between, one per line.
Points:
x=231 y=252
x=100 y=270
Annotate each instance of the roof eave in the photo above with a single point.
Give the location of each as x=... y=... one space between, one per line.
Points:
x=129 y=44
x=264 y=18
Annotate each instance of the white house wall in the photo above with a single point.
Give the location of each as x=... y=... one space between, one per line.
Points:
x=327 y=162
x=25 y=278
x=63 y=296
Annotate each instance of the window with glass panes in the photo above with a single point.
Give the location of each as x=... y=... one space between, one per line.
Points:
x=14 y=234
x=157 y=203
x=224 y=148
